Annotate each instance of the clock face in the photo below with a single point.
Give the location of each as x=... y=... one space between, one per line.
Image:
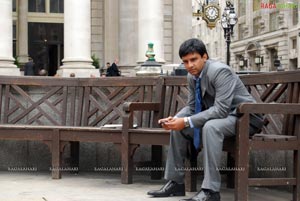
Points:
x=212 y=13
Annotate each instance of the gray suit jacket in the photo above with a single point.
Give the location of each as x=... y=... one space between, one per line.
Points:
x=222 y=92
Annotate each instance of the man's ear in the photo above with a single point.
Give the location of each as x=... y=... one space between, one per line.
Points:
x=205 y=56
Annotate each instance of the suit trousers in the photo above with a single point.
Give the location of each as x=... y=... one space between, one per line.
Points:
x=213 y=133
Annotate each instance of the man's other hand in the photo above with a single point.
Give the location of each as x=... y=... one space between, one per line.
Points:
x=171 y=123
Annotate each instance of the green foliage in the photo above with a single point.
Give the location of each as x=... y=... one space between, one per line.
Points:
x=16 y=62
x=95 y=61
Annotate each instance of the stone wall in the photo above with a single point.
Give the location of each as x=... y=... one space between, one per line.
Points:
x=97 y=24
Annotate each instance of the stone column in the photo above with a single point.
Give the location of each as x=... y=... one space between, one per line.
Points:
x=298 y=43
x=150 y=29
x=182 y=23
x=111 y=30
x=23 y=31
x=7 y=66
x=77 y=40
x=128 y=36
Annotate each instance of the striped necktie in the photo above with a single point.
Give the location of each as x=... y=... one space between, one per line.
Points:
x=198 y=99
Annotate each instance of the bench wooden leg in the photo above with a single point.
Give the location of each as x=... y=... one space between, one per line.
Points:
x=74 y=149
x=296 y=189
x=56 y=155
x=156 y=158
x=126 y=160
x=241 y=179
x=230 y=174
x=242 y=160
x=191 y=166
x=191 y=175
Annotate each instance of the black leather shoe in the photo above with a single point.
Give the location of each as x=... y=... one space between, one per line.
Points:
x=205 y=195
x=169 y=189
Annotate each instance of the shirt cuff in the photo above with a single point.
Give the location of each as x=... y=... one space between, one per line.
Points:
x=191 y=123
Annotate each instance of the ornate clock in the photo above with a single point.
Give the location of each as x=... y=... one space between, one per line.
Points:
x=211 y=14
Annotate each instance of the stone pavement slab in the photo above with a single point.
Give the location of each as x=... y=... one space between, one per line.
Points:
x=39 y=186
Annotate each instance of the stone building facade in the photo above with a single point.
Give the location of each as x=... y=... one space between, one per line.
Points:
x=67 y=33
x=269 y=30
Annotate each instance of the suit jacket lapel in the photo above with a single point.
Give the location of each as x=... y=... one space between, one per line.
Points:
x=204 y=78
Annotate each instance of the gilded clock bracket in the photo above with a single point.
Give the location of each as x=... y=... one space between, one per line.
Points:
x=210 y=13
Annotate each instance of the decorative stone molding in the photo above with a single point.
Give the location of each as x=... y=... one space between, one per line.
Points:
x=245 y=31
x=262 y=25
x=281 y=23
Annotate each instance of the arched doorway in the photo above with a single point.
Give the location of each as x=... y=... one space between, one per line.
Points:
x=252 y=50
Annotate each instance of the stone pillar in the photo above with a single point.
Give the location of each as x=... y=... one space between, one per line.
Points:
x=77 y=40
x=111 y=30
x=23 y=31
x=7 y=66
x=182 y=23
x=128 y=36
x=298 y=44
x=150 y=29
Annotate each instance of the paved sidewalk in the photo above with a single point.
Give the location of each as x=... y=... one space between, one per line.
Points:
x=99 y=187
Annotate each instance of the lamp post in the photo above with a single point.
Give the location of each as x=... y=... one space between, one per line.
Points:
x=228 y=20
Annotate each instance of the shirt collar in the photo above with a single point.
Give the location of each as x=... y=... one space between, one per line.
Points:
x=200 y=76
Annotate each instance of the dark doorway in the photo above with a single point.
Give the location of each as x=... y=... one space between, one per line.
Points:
x=55 y=56
x=46 y=46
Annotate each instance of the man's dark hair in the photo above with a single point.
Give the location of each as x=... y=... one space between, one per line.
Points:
x=108 y=63
x=191 y=46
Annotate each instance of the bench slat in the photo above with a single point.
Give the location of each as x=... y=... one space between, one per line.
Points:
x=270 y=137
x=271 y=181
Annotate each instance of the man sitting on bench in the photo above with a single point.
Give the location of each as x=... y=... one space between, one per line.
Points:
x=215 y=91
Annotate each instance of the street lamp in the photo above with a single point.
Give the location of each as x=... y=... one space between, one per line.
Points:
x=258 y=60
x=228 y=20
x=242 y=62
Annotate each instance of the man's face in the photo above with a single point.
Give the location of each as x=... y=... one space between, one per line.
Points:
x=194 y=63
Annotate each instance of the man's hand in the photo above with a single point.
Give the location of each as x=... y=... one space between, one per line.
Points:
x=163 y=122
x=171 y=123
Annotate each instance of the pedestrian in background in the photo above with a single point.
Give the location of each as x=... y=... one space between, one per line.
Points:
x=29 y=68
x=113 y=69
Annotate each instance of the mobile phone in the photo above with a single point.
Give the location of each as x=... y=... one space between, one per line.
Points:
x=162 y=122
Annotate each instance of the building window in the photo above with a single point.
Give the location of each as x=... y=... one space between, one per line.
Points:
x=241 y=31
x=14 y=6
x=294 y=43
x=56 y=6
x=37 y=6
x=256 y=26
x=273 y=21
x=256 y=5
x=242 y=8
x=295 y=15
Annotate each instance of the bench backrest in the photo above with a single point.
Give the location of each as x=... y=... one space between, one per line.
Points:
x=175 y=94
x=72 y=101
x=96 y=102
x=281 y=87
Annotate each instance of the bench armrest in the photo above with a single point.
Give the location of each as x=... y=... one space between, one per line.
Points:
x=260 y=108
x=141 y=106
x=130 y=107
x=269 y=108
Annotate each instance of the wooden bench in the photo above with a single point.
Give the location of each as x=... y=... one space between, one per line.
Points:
x=58 y=111
x=275 y=93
